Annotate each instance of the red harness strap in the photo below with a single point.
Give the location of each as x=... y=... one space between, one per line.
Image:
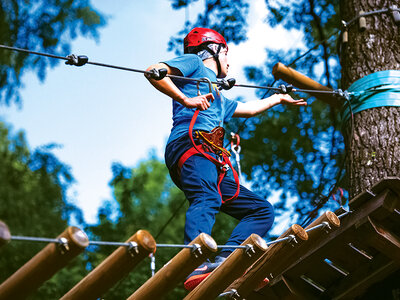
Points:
x=224 y=165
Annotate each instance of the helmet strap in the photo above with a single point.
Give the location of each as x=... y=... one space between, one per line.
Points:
x=215 y=56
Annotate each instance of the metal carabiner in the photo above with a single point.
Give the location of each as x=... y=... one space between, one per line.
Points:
x=236 y=150
x=205 y=80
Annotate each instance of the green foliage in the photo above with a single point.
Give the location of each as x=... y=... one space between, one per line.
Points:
x=144 y=199
x=43 y=26
x=296 y=151
x=33 y=203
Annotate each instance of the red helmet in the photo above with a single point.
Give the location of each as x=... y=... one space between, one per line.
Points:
x=198 y=36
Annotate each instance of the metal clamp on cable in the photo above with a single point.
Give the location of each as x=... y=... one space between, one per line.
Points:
x=250 y=250
x=346 y=212
x=196 y=250
x=326 y=227
x=63 y=245
x=75 y=60
x=156 y=74
x=292 y=240
x=226 y=84
x=133 y=249
x=285 y=89
x=341 y=94
x=232 y=294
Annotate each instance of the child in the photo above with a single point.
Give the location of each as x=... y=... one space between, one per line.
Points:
x=196 y=171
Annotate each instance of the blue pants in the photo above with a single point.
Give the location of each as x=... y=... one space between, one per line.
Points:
x=198 y=180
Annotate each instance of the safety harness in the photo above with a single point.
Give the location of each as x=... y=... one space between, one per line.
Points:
x=223 y=163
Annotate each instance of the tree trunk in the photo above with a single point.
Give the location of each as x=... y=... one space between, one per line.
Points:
x=374 y=147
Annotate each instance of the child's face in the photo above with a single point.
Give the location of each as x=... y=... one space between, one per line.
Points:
x=223 y=59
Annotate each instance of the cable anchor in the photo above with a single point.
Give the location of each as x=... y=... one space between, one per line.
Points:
x=345 y=33
x=224 y=84
x=395 y=13
x=196 y=250
x=76 y=60
x=63 y=245
x=362 y=22
x=156 y=74
x=342 y=94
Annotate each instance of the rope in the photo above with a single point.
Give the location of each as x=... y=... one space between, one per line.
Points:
x=34 y=239
x=116 y=244
x=129 y=244
x=161 y=73
x=377 y=89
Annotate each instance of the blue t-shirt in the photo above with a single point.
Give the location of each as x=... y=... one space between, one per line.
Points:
x=220 y=111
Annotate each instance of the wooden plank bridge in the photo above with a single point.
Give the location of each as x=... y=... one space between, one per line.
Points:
x=339 y=256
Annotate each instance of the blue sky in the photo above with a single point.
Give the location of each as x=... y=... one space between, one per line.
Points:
x=101 y=115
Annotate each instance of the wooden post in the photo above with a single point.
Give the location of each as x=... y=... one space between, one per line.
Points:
x=176 y=270
x=44 y=265
x=5 y=235
x=113 y=268
x=275 y=259
x=232 y=268
x=330 y=220
x=301 y=81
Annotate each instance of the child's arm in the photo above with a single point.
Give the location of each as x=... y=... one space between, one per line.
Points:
x=253 y=108
x=167 y=87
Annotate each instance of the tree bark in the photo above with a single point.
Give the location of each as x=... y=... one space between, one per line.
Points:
x=374 y=146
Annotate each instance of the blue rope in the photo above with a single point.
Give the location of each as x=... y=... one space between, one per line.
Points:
x=374 y=90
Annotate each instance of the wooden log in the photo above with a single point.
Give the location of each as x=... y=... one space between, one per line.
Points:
x=276 y=258
x=177 y=269
x=44 y=265
x=233 y=267
x=5 y=235
x=329 y=219
x=114 y=267
x=301 y=81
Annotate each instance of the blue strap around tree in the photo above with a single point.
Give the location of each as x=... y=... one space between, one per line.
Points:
x=374 y=90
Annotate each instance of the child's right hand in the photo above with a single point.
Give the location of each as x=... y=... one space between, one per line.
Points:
x=201 y=102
